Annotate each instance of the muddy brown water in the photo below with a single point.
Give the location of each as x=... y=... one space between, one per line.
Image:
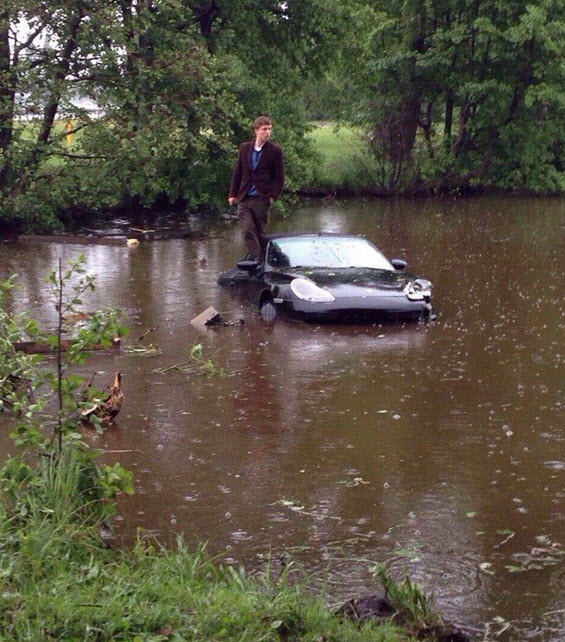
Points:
x=438 y=450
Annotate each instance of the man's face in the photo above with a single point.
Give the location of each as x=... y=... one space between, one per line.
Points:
x=263 y=133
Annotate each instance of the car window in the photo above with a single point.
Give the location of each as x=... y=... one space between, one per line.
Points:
x=325 y=251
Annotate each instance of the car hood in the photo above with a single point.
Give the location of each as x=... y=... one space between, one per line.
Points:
x=355 y=278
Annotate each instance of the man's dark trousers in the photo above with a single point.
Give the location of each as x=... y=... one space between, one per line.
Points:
x=253 y=212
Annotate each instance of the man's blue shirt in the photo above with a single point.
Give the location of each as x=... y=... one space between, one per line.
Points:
x=255 y=156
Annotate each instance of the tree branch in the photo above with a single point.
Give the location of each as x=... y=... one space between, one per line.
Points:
x=26 y=43
x=80 y=156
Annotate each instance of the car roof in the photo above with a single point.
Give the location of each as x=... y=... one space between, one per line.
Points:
x=280 y=235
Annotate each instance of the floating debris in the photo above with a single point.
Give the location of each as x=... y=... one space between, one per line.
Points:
x=143 y=351
x=34 y=347
x=196 y=364
x=539 y=557
x=486 y=567
x=108 y=408
x=142 y=336
x=300 y=510
x=210 y=316
x=76 y=317
x=351 y=483
x=142 y=231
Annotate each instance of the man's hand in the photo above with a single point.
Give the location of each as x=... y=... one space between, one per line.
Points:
x=231 y=200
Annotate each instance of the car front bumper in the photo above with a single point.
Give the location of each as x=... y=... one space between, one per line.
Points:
x=350 y=310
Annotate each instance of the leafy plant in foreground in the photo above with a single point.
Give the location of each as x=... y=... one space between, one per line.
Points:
x=16 y=387
x=53 y=487
x=413 y=608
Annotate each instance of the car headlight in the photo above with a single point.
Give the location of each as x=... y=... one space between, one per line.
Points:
x=418 y=290
x=309 y=291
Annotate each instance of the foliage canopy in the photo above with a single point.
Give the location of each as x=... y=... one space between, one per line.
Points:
x=460 y=93
x=175 y=84
x=452 y=94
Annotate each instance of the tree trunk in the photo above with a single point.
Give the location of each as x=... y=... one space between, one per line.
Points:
x=206 y=12
x=61 y=72
x=409 y=119
x=129 y=34
x=205 y=16
x=462 y=127
x=139 y=54
x=7 y=97
x=409 y=116
x=52 y=105
x=426 y=125
x=448 y=125
x=480 y=171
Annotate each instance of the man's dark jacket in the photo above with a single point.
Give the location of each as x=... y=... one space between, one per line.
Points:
x=268 y=176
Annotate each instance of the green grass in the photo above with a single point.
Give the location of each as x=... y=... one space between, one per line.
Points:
x=335 y=144
x=411 y=605
x=154 y=595
x=343 y=156
x=157 y=595
x=59 y=581
x=29 y=130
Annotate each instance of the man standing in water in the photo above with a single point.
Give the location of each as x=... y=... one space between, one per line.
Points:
x=257 y=181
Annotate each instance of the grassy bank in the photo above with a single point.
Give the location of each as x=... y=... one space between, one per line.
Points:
x=60 y=582
x=177 y=595
x=343 y=158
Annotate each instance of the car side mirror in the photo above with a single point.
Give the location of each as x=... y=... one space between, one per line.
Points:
x=399 y=264
x=248 y=266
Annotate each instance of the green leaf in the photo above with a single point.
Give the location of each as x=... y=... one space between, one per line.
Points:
x=515 y=569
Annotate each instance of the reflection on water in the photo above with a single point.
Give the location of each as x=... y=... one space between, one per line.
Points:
x=439 y=450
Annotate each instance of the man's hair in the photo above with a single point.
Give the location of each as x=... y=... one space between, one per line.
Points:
x=260 y=121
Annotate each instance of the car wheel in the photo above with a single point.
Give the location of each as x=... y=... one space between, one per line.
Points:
x=268 y=311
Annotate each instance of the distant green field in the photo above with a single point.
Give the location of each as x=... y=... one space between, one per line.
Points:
x=341 y=150
x=30 y=128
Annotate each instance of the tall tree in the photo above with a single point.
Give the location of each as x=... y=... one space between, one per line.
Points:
x=469 y=75
x=175 y=83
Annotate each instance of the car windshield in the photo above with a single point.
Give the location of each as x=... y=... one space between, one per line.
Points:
x=325 y=252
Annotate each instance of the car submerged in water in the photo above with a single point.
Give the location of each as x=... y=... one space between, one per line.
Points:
x=329 y=277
